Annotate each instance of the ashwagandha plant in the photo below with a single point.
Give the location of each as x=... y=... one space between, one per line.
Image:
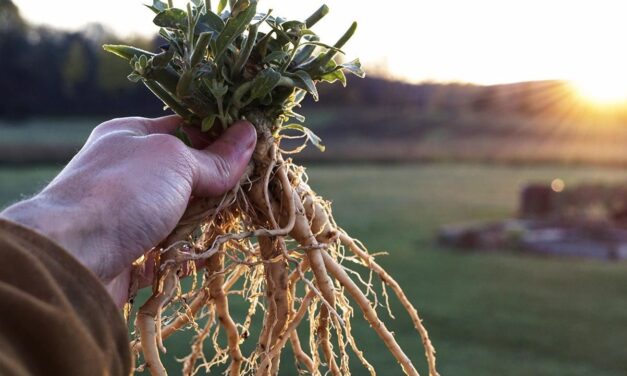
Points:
x=271 y=235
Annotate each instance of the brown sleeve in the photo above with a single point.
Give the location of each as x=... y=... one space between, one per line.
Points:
x=56 y=318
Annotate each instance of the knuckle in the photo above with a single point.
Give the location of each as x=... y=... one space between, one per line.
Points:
x=116 y=125
x=102 y=129
x=111 y=125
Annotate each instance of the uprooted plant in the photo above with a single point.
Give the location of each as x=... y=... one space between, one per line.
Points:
x=271 y=235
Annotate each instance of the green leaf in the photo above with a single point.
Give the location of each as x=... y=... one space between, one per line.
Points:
x=323 y=45
x=304 y=32
x=172 y=18
x=293 y=25
x=305 y=52
x=126 y=52
x=218 y=89
x=239 y=6
x=312 y=137
x=167 y=35
x=234 y=28
x=157 y=6
x=283 y=38
x=317 y=16
x=330 y=72
x=276 y=56
x=221 y=6
x=181 y=135
x=299 y=95
x=267 y=100
x=134 y=77
x=333 y=76
x=347 y=36
x=200 y=49
x=354 y=67
x=183 y=87
x=208 y=122
x=310 y=86
x=214 y=22
x=297 y=116
x=264 y=82
x=143 y=61
x=162 y=59
x=168 y=99
x=244 y=53
x=316 y=141
x=226 y=75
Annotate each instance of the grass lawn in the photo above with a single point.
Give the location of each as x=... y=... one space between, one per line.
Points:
x=488 y=314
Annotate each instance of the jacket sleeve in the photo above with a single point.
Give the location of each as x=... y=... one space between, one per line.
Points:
x=56 y=318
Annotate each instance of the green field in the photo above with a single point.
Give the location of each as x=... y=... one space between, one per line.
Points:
x=356 y=134
x=496 y=313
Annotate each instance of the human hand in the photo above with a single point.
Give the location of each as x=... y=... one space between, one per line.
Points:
x=127 y=188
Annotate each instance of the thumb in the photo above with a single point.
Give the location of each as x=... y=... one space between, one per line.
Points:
x=221 y=164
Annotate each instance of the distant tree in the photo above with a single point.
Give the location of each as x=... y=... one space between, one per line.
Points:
x=74 y=66
x=10 y=18
x=54 y=73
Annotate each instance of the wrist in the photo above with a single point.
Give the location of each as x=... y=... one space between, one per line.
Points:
x=66 y=224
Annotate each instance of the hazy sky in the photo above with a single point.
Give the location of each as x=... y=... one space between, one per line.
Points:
x=480 y=41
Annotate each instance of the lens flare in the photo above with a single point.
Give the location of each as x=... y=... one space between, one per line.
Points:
x=602 y=88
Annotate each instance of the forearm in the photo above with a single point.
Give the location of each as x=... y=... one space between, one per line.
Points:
x=56 y=316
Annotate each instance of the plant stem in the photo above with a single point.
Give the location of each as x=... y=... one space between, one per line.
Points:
x=347 y=35
x=339 y=44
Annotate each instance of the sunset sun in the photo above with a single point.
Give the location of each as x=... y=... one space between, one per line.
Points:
x=602 y=88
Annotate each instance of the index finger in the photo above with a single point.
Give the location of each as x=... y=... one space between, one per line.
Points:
x=137 y=126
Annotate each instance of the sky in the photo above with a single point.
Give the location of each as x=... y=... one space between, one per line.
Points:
x=479 y=41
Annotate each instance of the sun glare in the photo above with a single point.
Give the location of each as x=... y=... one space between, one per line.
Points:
x=602 y=89
x=446 y=40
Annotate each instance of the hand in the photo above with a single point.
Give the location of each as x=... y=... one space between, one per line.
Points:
x=127 y=188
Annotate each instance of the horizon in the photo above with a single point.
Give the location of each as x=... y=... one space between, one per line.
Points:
x=486 y=42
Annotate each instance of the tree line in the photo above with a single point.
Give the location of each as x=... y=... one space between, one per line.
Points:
x=48 y=72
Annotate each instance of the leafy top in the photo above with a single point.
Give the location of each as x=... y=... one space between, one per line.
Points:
x=216 y=67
